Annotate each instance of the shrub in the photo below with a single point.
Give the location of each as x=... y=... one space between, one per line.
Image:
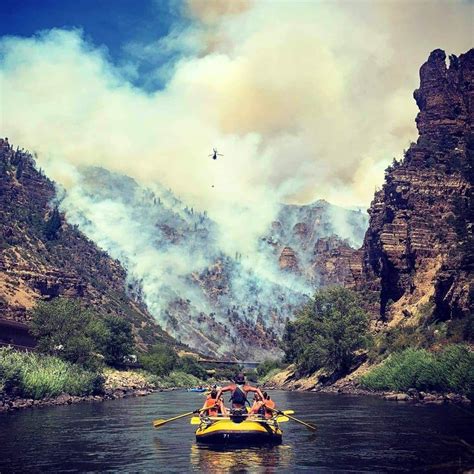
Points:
x=251 y=376
x=327 y=332
x=65 y=329
x=226 y=373
x=450 y=370
x=269 y=376
x=190 y=365
x=160 y=360
x=456 y=364
x=178 y=379
x=268 y=365
x=38 y=376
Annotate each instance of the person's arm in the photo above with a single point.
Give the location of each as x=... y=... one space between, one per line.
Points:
x=204 y=407
x=256 y=390
x=222 y=390
x=223 y=408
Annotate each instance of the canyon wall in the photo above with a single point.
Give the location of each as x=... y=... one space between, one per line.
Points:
x=418 y=249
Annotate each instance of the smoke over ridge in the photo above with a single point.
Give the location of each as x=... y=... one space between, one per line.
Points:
x=306 y=100
x=172 y=255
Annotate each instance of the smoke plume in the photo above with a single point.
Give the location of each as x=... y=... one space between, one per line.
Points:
x=305 y=100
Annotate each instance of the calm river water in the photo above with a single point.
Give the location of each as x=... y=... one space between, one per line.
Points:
x=355 y=434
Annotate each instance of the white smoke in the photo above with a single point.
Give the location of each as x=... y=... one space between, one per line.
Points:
x=305 y=100
x=169 y=249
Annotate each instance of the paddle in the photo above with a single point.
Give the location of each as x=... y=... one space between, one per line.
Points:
x=279 y=412
x=158 y=423
x=196 y=420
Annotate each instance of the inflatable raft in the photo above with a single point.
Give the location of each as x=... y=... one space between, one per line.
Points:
x=216 y=430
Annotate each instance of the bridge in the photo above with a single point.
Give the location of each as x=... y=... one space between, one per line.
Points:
x=229 y=363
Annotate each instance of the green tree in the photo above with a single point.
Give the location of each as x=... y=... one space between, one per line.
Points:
x=267 y=365
x=160 y=360
x=191 y=366
x=65 y=329
x=327 y=331
x=117 y=341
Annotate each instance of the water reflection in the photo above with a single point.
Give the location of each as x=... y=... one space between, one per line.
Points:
x=231 y=460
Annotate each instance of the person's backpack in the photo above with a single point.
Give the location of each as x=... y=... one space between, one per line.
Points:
x=239 y=397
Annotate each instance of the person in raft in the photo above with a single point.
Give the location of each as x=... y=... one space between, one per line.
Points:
x=263 y=406
x=257 y=404
x=213 y=406
x=268 y=406
x=239 y=390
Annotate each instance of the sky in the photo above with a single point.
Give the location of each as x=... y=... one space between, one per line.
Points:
x=305 y=99
x=105 y=23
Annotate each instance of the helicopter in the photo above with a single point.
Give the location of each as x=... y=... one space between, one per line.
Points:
x=215 y=154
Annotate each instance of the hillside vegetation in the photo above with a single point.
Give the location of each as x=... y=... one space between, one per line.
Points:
x=449 y=370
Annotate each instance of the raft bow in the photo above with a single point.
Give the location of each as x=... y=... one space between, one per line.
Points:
x=242 y=429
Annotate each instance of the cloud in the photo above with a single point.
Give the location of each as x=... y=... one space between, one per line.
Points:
x=305 y=99
x=212 y=11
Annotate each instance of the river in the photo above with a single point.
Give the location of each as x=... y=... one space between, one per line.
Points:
x=355 y=434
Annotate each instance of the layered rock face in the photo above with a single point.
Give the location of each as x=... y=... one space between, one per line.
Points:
x=418 y=247
x=317 y=242
x=43 y=257
x=287 y=260
x=336 y=262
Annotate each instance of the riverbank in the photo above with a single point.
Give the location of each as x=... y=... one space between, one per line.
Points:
x=290 y=380
x=118 y=384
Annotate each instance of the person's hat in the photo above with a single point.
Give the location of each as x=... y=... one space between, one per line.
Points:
x=239 y=378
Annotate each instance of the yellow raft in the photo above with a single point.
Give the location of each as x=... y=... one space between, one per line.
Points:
x=217 y=430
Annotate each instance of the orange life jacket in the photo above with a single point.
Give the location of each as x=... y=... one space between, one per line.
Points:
x=211 y=406
x=269 y=404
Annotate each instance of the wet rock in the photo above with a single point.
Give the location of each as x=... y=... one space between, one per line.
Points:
x=434 y=399
x=413 y=393
x=397 y=397
x=452 y=398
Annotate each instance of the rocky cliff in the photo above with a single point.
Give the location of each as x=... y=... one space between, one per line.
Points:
x=43 y=257
x=418 y=249
x=318 y=241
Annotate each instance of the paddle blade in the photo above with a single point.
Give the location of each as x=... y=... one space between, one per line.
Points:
x=195 y=420
x=310 y=427
x=158 y=423
x=288 y=412
x=282 y=419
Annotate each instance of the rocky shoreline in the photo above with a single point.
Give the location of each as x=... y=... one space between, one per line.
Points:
x=118 y=384
x=12 y=404
x=287 y=380
x=411 y=396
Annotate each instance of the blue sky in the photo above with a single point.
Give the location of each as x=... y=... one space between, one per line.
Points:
x=110 y=23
